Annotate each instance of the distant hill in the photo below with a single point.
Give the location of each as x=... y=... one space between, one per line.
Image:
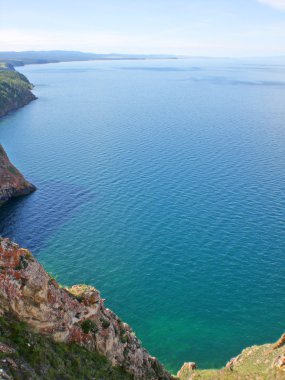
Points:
x=40 y=57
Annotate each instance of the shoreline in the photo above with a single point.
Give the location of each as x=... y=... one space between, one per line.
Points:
x=16 y=89
x=23 y=58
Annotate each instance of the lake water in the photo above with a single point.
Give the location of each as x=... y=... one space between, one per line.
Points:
x=162 y=183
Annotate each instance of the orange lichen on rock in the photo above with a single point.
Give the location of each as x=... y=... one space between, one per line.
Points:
x=75 y=314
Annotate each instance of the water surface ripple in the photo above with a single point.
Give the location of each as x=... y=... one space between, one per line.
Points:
x=162 y=183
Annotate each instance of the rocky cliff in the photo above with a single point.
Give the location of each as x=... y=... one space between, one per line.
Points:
x=50 y=332
x=12 y=182
x=15 y=89
x=69 y=315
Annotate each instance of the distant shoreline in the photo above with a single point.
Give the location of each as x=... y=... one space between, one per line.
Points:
x=98 y=59
x=42 y=57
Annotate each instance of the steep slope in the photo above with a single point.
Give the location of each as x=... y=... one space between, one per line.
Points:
x=12 y=182
x=265 y=362
x=25 y=355
x=75 y=315
x=15 y=89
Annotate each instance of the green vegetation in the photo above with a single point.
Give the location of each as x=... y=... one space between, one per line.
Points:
x=255 y=363
x=33 y=356
x=23 y=263
x=105 y=323
x=89 y=326
x=124 y=338
x=15 y=89
x=78 y=293
x=13 y=170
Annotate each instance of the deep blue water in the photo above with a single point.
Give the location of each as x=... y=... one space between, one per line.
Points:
x=162 y=183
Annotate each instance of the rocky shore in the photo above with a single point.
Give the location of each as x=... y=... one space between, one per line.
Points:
x=75 y=315
x=264 y=362
x=38 y=316
x=12 y=182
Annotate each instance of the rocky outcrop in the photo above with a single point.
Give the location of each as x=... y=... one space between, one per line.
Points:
x=73 y=315
x=12 y=182
x=280 y=342
x=15 y=90
x=265 y=362
x=186 y=369
x=27 y=355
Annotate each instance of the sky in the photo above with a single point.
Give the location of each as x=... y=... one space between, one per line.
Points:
x=228 y=28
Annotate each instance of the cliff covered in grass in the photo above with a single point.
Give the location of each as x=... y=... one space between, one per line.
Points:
x=74 y=322
x=264 y=362
x=26 y=355
x=12 y=182
x=15 y=89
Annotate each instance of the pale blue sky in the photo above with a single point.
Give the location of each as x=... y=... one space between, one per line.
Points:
x=190 y=27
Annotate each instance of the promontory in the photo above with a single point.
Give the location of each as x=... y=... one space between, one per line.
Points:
x=12 y=182
x=15 y=89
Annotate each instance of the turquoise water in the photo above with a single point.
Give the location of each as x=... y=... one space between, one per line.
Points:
x=162 y=183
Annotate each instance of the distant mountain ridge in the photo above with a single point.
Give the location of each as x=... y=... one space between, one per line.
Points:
x=40 y=57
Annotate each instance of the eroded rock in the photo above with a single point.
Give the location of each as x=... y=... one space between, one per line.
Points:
x=75 y=315
x=12 y=182
x=279 y=362
x=186 y=370
x=280 y=342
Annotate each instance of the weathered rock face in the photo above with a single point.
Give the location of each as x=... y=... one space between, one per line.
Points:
x=186 y=371
x=12 y=182
x=75 y=315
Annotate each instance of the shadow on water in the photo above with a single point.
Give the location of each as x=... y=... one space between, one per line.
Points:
x=166 y=69
x=32 y=220
x=229 y=81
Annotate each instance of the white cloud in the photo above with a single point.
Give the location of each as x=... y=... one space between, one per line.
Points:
x=279 y=4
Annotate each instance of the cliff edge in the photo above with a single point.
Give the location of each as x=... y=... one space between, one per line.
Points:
x=264 y=362
x=50 y=332
x=12 y=182
x=75 y=315
x=15 y=89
